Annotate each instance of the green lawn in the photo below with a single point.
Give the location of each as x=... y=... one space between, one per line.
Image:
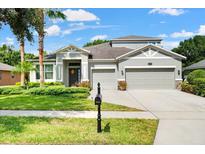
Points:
x=27 y=102
x=30 y=130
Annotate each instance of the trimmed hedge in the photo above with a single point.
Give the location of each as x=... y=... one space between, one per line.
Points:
x=74 y=92
x=194 y=75
x=57 y=90
x=37 y=84
x=11 y=90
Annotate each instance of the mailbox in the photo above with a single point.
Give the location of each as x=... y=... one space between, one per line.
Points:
x=98 y=99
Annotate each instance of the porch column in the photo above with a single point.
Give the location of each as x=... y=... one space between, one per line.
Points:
x=84 y=71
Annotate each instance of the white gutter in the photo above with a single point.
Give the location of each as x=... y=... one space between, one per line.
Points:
x=131 y=67
x=102 y=68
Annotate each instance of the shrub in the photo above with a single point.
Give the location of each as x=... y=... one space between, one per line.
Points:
x=33 y=84
x=195 y=74
x=58 y=90
x=199 y=86
x=186 y=87
x=85 y=84
x=122 y=85
x=53 y=83
x=11 y=90
x=18 y=83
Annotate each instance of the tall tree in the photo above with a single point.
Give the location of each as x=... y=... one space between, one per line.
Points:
x=39 y=24
x=95 y=42
x=193 y=49
x=19 y=21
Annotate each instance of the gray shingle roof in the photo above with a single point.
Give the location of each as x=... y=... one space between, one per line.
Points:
x=5 y=67
x=105 y=51
x=200 y=64
x=135 y=37
x=49 y=56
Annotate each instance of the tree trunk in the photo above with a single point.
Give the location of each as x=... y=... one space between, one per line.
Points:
x=40 y=42
x=22 y=61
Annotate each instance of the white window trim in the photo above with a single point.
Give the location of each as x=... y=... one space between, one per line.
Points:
x=48 y=80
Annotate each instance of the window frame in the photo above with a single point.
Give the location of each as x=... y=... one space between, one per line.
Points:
x=45 y=71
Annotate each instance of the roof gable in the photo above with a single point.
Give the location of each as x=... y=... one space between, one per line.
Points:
x=72 y=48
x=150 y=54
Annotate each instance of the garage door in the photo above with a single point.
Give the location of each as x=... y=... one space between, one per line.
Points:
x=150 y=78
x=106 y=77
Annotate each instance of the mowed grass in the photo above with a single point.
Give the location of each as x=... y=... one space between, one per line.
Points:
x=27 y=102
x=33 y=130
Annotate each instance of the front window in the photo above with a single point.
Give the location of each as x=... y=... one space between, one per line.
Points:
x=37 y=72
x=48 y=71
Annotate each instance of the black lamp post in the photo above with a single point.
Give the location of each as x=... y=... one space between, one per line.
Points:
x=98 y=101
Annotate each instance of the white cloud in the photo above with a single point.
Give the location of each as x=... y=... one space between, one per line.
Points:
x=80 y=15
x=167 y=11
x=99 y=37
x=84 y=27
x=183 y=33
x=201 y=30
x=97 y=23
x=78 y=39
x=53 y=30
x=162 y=35
x=77 y=24
x=55 y=21
x=170 y=44
x=162 y=22
x=8 y=41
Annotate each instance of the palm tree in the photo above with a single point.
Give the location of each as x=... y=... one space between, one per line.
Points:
x=39 y=23
x=24 y=68
x=19 y=21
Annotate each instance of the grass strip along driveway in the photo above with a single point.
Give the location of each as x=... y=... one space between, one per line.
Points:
x=33 y=130
x=38 y=102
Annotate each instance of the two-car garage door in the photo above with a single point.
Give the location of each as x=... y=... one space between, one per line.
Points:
x=136 y=78
x=150 y=78
x=106 y=78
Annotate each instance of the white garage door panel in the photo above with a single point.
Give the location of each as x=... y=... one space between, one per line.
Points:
x=150 y=78
x=106 y=77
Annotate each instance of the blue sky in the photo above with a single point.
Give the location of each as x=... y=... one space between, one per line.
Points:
x=84 y=25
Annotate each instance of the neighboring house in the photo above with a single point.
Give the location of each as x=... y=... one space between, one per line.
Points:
x=6 y=75
x=198 y=65
x=195 y=66
x=140 y=61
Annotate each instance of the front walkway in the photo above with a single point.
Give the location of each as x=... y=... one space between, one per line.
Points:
x=77 y=114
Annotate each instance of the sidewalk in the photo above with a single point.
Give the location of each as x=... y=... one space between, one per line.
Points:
x=77 y=114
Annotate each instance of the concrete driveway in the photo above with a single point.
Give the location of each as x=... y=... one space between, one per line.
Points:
x=181 y=115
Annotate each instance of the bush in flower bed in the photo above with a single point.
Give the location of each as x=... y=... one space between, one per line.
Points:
x=58 y=90
x=186 y=87
x=199 y=86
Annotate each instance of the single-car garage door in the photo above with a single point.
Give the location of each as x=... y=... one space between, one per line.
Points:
x=106 y=77
x=150 y=78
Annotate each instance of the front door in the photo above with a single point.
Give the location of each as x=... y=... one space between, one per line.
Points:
x=74 y=76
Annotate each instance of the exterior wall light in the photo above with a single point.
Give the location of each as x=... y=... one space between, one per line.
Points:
x=178 y=72
x=122 y=73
